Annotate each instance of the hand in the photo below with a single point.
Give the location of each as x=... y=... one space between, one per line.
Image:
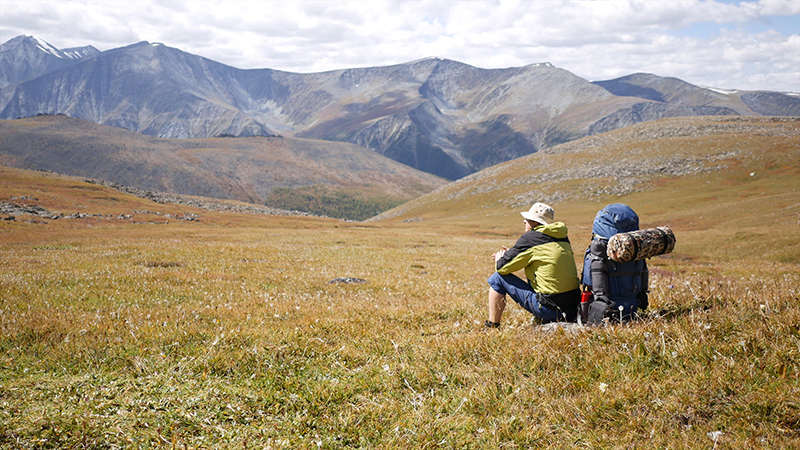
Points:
x=498 y=255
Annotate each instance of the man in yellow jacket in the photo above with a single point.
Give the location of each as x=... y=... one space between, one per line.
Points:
x=552 y=292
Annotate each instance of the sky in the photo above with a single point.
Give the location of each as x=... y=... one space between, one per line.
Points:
x=725 y=44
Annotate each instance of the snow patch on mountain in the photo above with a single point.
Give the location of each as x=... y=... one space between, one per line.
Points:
x=721 y=91
x=46 y=47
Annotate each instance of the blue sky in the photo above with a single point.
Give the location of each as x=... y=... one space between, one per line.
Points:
x=747 y=45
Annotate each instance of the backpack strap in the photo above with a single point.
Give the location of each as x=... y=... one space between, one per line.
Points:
x=566 y=302
x=641 y=297
x=598 y=267
x=625 y=274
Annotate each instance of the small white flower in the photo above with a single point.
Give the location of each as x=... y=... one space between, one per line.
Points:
x=715 y=435
x=603 y=387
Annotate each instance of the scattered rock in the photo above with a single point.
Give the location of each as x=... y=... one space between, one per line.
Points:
x=346 y=280
x=568 y=327
x=11 y=210
x=163 y=264
x=14 y=209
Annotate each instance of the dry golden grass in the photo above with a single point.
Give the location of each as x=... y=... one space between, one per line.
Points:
x=225 y=333
x=207 y=336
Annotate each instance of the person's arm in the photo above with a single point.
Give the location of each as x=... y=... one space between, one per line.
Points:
x=498 y=255
x=513 y=259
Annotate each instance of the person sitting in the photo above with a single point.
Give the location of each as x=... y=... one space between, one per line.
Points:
x=552 y=290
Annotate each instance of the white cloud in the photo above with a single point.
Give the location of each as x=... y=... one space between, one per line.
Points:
x=702 y=42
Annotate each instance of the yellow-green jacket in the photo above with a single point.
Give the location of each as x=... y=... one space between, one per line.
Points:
x=546 y=255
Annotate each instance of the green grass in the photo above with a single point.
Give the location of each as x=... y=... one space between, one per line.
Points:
x=330 y=202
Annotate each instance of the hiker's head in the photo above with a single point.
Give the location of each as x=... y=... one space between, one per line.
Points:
x=530 y=224
x=539 y=214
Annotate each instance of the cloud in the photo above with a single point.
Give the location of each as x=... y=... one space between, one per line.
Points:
x=745 y=45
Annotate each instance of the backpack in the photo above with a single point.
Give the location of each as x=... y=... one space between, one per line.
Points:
x=619 y=288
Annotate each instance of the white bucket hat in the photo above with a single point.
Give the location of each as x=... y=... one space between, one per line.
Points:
x=539 y=212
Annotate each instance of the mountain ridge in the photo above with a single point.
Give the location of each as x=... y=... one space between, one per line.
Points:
x=26 y=57
x=436 y=115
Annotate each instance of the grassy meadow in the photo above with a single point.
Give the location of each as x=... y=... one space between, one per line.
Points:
x=226 y=333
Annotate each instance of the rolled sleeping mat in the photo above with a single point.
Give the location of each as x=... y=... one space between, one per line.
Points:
x=640 y=244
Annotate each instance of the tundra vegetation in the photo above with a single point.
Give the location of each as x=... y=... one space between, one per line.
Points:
x=328 y=201
x=130 y=328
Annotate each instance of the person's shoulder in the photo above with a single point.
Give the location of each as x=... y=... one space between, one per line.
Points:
x=557 y=230
x=532 y=238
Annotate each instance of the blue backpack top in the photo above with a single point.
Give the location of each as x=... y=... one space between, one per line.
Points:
x=613 y=219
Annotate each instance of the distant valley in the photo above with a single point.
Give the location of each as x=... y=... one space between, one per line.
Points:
x=439 y=116
x=335 y=179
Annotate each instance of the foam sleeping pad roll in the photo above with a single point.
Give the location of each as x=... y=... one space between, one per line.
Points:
x=640 y=244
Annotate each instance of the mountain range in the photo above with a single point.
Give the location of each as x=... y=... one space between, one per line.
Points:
x=436 y=115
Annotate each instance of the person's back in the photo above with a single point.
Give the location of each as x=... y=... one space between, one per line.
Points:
x=552 y=289
x=611 y=282
x=546 y=255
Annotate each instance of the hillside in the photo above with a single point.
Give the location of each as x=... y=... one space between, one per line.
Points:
x=287 y=173
x=725 y=174
x=440 y=116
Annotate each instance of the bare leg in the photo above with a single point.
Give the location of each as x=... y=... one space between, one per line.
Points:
x=497 y=303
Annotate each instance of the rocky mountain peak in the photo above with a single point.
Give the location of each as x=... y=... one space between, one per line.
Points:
x=27 y=57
